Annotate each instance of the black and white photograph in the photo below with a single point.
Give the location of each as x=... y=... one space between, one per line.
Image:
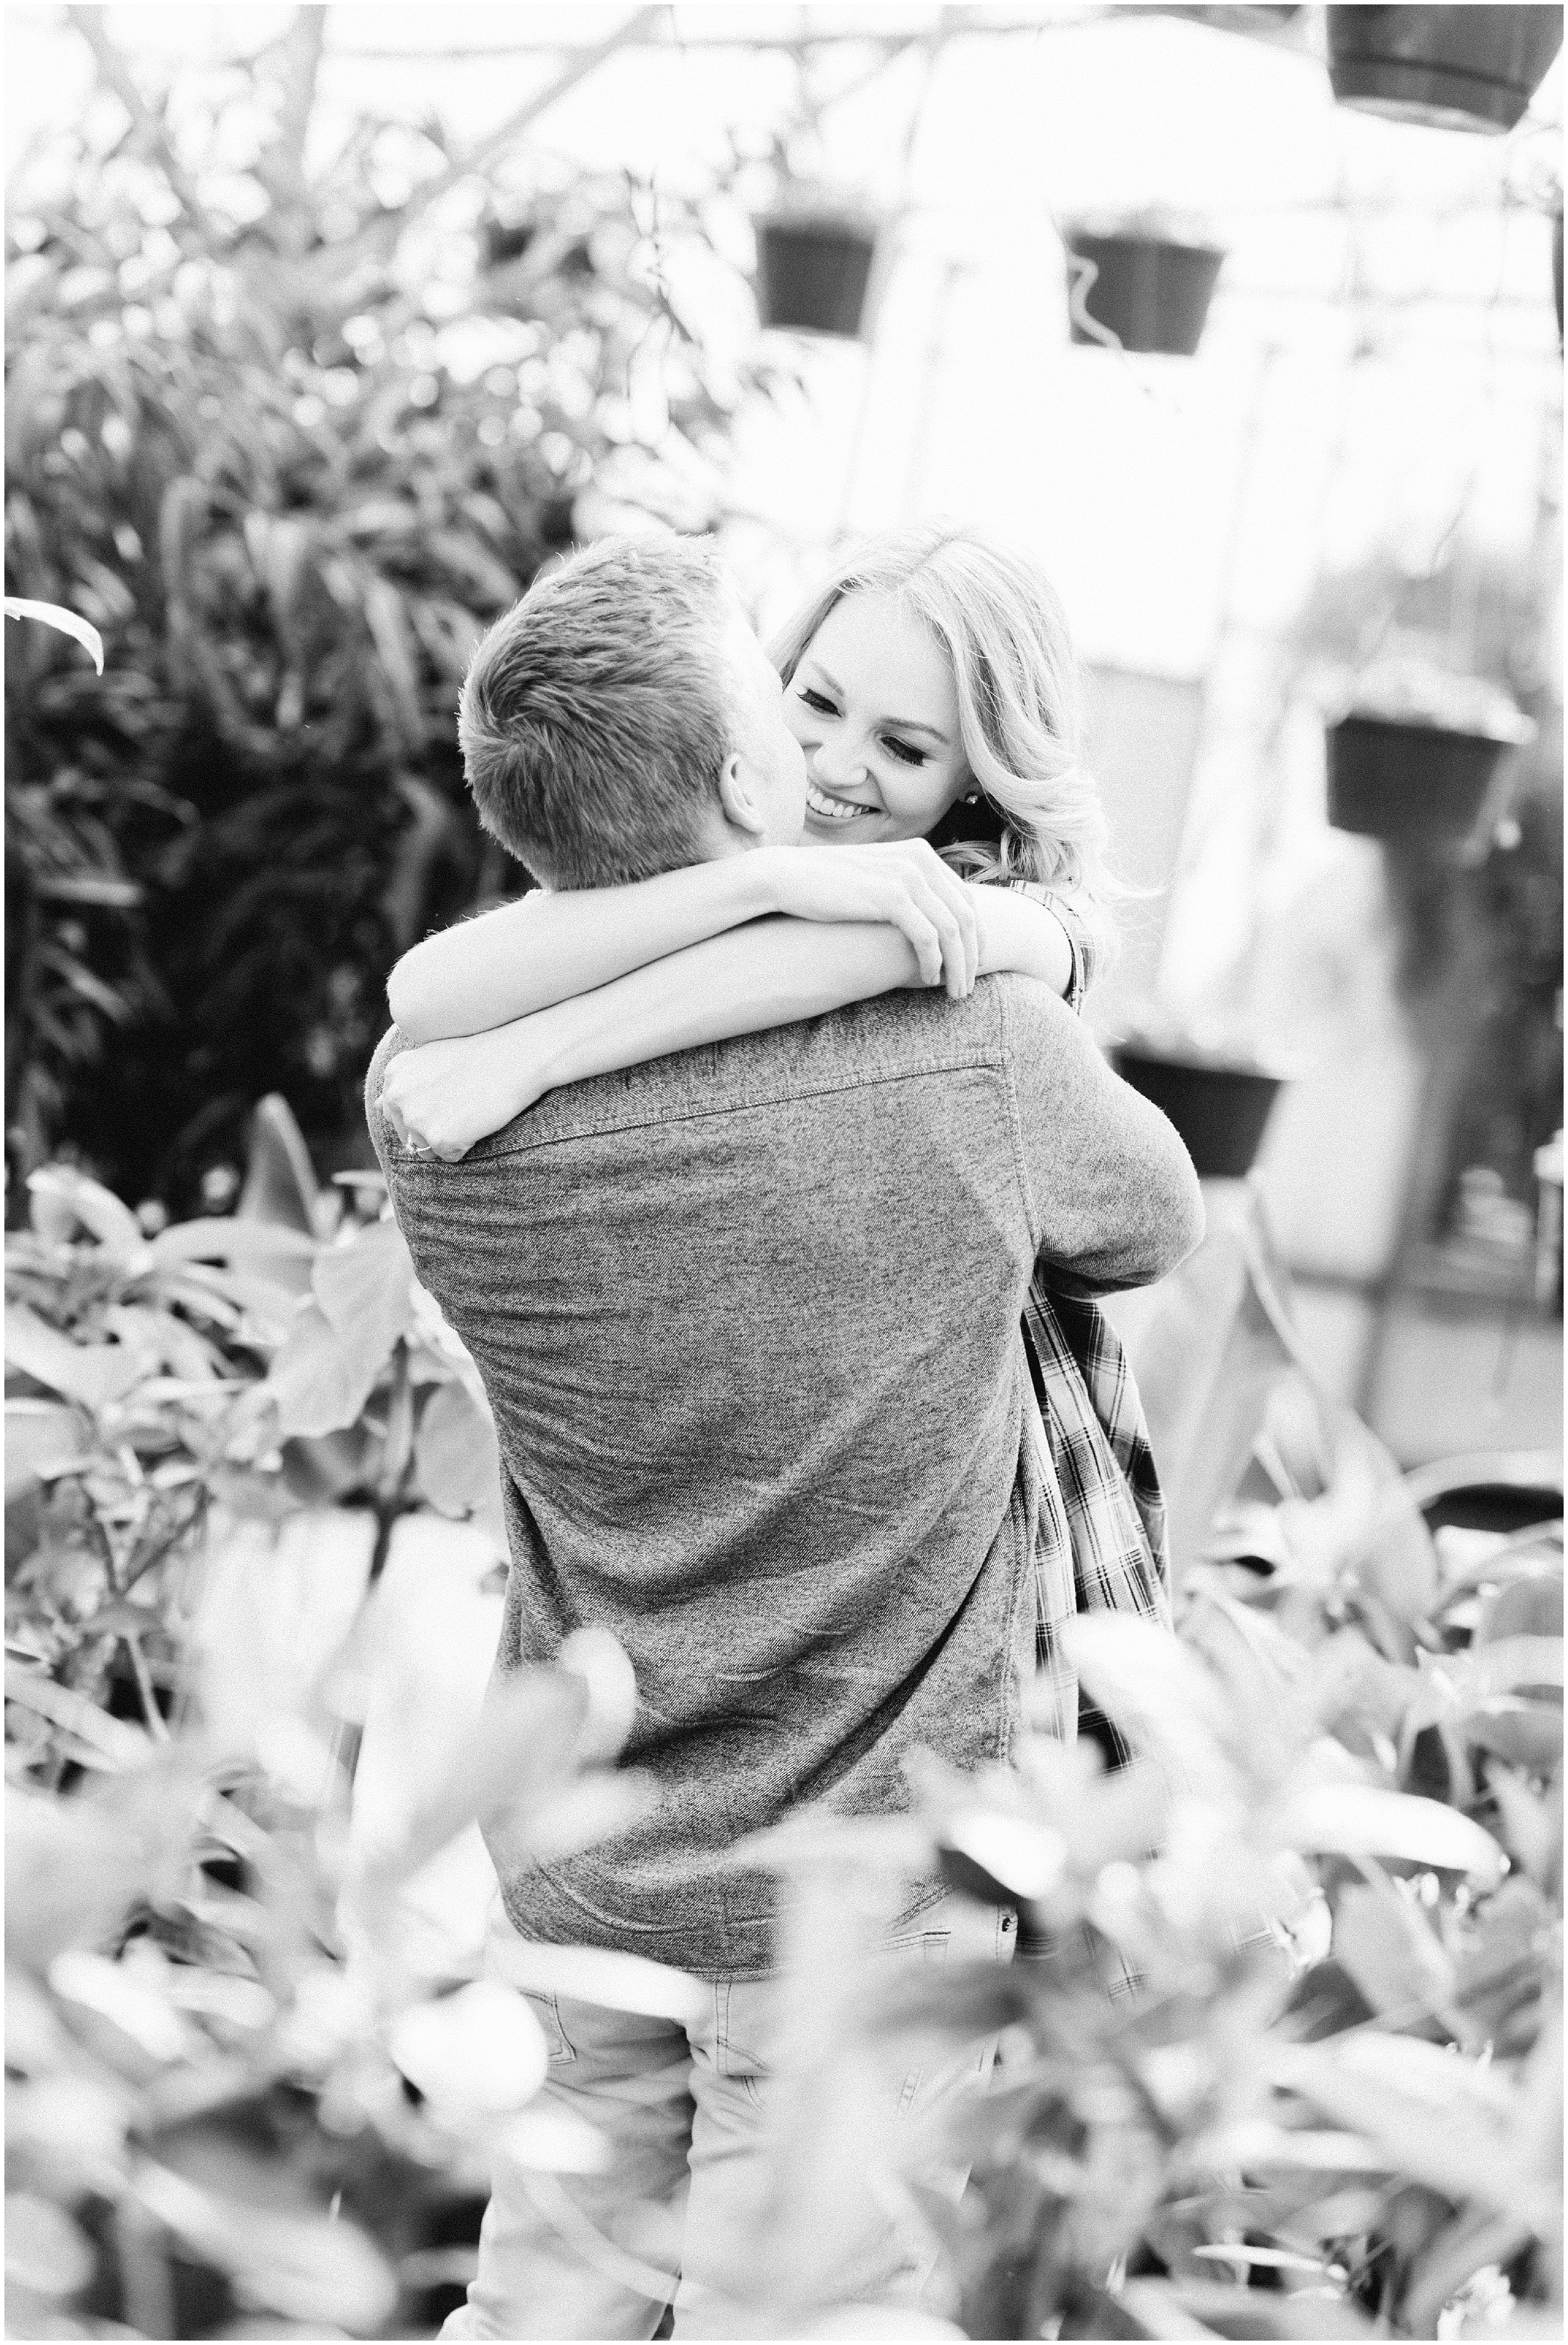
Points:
x=783 y=1171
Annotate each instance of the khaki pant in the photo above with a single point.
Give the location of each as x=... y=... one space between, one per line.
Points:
x=685 y=2214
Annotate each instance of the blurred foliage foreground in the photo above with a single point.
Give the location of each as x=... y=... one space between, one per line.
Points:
x=295 y=404
x=251 y=2097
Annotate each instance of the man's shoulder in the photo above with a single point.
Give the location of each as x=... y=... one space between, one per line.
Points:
x=895 y=1036
x=1006 y=1023
x=1032 y=1019
x=905 y=1031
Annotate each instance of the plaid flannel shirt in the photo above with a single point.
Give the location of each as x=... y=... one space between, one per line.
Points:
x=1102 y=1544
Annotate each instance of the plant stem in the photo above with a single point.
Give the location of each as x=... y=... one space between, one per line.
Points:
x=154 y=1716
x=148 y=2300
x=140 y=1565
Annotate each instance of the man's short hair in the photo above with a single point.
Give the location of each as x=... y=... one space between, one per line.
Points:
x=595 y=719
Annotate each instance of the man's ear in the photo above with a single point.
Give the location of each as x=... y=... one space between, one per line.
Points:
x=737 y=798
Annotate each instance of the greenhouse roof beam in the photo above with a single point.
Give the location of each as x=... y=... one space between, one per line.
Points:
x=907 y=27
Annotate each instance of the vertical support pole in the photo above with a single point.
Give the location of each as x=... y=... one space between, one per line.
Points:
x=951 y=272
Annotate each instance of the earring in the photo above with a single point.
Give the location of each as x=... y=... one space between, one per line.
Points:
x=972 y=798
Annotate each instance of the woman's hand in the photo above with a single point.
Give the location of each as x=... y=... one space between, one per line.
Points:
x=903 y=883
x=443 y=1097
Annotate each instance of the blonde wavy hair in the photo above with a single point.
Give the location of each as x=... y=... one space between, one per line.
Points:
x=1005 y=632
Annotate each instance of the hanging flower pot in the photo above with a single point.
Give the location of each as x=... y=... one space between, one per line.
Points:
x=1391 y=780
x=814 y=270
x=1469 y=68
x=1414 y=755
x=1151 y=290
x=1218 y=1104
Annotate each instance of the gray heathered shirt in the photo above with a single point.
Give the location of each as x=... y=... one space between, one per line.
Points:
x=748 y=1317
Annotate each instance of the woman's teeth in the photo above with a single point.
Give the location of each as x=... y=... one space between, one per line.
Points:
x=833 y=809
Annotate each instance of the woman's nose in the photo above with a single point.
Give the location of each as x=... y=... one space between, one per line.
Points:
x=838 y=759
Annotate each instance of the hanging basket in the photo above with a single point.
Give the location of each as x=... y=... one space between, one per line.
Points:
x=1151 y=294
x=1453 y=68
x=814 y=271
x=1218 y=1106
x=1393 y=780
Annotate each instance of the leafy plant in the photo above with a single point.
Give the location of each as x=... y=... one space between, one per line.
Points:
x=279 y=1358
x=290 y=434
x=238 y=2089
x=246 y=2086
x=1333 y=2105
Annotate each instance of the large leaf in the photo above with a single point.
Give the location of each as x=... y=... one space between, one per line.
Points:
x=274 y=1605
x=80 y=1201
x=455 y=1453
x=119 y=1744
x=1352 y=1680
x=1391 y=1950
x=364 y=1287
x=220 y=1240
x=1001 y=1860
x=1532 y=1824
x=41 y=1436
x=1443 y=2119
x=280 y=1185
x=480 y=2049
x=1526 y=1733
x=319 y=1382
x=601 y=1660
x=93 y=1374
x=1315 y=2316
x=1360 y=1820
x=1470 y=1691
x=66 y=622
x=1160 y=1695
x=1503 y=1958
x=45 y=2251
x=76 y=1866
x=148 y=2023
x=510 y=1767
x=320 y=1467
x=263 y=1308
x=309 y=2267
x=387 y=621
x=1528 y=1606
x=167 y=1340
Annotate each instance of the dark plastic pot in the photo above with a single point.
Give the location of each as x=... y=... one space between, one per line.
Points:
x=1150 y=295
x=813 y=274
x=1219 y=1110
x=1454 y=68
x=502 y=241
x=1391 y=780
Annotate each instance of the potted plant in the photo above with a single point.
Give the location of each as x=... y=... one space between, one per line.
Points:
x=1144 y=278
x=1217 y=1092
x=1414 y=752
x=816 y=254
x=1453 y=68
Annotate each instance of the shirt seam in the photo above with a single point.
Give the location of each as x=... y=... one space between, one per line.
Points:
x=1015 y=1126
x=696 y=1114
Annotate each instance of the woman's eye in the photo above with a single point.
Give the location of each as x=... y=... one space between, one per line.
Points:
x=903 y=753
x=815 y=700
